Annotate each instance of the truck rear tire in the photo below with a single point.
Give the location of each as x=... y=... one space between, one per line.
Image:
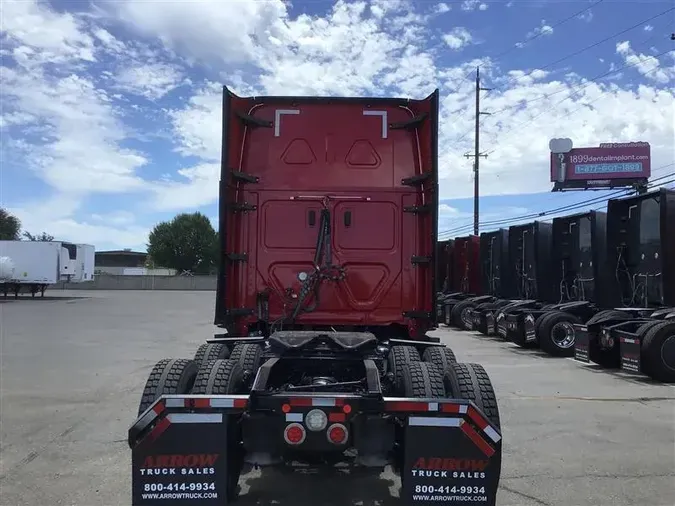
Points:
x=539 y=322
x=211 y=351
x=609 y=358
x=168 y=377
x=658 y=352
x=222 y=377
x=248 y=355
x=557 y=335
x=471 y=382
x=423 y=379
x=440 y=356
x=641 y=332
x=219 y=377
x=397 y=359
x=457 y=315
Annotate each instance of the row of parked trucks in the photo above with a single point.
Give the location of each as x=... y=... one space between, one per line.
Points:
x=32 y=266
x=596 y=286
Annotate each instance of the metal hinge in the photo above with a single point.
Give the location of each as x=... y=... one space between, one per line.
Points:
x=417 y=314
x=416 y=260
x=244 y=177
x=416 y=180
x=237 y=257
x=410 y=123
x=244 y=207
x=240 y=311
x=252 y=121
x=417 y=209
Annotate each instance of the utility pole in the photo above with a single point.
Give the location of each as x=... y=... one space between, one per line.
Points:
x=477 y=154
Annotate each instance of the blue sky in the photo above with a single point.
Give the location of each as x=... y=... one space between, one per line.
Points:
x=110 y=110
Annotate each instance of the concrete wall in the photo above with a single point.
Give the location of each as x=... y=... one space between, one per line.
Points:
x=110 y=282
x=134 y=271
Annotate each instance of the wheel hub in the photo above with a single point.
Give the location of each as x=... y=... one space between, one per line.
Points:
x=562 y=335
x=668 y=352
x=467 y=318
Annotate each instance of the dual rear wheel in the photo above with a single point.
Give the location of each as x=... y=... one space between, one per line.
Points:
x=213 y=371
x=437 y=374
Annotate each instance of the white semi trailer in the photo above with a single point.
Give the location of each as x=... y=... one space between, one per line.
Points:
x=37 y=265
x=84 y=264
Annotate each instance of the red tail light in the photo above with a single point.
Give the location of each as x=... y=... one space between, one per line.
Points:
x=294 y=434
x=337 y=434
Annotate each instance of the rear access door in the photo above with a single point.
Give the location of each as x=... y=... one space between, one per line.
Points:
x=328 y=213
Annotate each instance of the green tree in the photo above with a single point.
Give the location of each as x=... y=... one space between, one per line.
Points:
x=42 y=237
x=10 y=226
x=186 y=243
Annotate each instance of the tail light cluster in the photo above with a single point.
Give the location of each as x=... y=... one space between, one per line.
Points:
x=318 y=420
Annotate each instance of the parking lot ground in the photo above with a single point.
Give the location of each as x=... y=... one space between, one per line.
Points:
x=72 y=368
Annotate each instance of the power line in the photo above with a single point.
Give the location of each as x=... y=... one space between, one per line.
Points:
x=573 y=91
x=586 y=84
x=595 y=44
x=580 y=87
x=519 y=45
x=527 y=40
x=517 y=220
x=565 y=208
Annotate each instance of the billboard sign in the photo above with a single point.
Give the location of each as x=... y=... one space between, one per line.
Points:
x=610 y=165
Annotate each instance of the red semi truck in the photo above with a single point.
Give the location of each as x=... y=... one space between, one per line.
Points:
x=326 y=292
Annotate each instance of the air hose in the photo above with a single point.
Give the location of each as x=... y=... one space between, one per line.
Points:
x=324 y=269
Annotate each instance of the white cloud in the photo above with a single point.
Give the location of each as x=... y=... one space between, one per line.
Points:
x=48 y=36
x=457 y=38
x=54 y=216
x=197 y=186
x=648 y=28
x=470 y=5
x=648 y=66
x=542 y=29
x=586 y=16
x=152 y=81
x=442 y=8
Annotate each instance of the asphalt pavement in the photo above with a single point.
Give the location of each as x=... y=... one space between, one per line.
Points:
x=72 y=367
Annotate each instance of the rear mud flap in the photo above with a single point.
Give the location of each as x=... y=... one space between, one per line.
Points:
x=451 y=460
x=182 y=461
x=581 y=343
x=630 y=355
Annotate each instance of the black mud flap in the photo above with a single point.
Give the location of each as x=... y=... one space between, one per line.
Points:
x=451 y=461
x=182 y=461
x=581 y=343
x=528 y=329
x=630 y=354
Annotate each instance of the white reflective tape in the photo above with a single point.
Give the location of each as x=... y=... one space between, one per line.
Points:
x=147 y=418
x=492 y=434
x=175 y=403
x=277 y=118
x=433 y=406
x=323 y=401
x=294 y=417
x=195 y=417
x=383 y=115
x=433 y=421
x=463 y=408
x=221 y=403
